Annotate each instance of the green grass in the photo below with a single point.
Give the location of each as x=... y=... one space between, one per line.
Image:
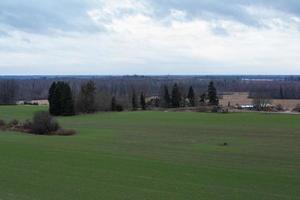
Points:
x=153 y=156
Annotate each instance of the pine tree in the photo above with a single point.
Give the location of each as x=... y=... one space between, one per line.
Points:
x=61 y=99
x=134 y=101
x=191 y=97
x=212 y=94
x=166 y=98
x=176 y=96
x=67 y=101
x=87 y=98
x=51 y=97
x=143 y=101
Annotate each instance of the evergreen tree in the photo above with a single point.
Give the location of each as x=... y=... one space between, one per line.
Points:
x=114 y=104
x=143 y=101
x=191 y=97
x=61 y=99
x=67 y=101
x=212 y=94
x=176 y=96
x=51 y=99
x=166 y=98
x=87 y=98
x=134 y=101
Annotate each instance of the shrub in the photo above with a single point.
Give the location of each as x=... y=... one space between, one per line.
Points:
x=297 y=108
x=2 y=124
x=13 y=123
x=27 y=125
x=279 y=107
x=44 y=124
x=119 y=108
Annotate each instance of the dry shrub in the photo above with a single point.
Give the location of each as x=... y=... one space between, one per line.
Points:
x=27 y=125
x=13 y=123
x=2 y=124
x=297 y=108
x=44 y=124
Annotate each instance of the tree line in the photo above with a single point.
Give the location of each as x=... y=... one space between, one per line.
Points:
x=63 y=101
x=121 y=87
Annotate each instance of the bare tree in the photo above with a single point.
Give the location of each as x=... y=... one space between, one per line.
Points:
x=261 y=102
x=8 y=92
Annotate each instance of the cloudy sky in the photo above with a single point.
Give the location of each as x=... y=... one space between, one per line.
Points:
x=117 y=37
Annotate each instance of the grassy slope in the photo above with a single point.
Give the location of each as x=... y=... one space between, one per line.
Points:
x=154 y=155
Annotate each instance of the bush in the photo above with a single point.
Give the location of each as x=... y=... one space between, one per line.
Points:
x=2 y=124
x=119 y=108
x=44 y=124
x=297 y=108
x=27 y=125
x=13 y=123
x=279 y=107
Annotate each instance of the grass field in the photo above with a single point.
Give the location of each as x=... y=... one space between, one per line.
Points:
x=153 y=156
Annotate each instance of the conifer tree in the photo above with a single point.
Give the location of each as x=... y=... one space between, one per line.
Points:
x=166 y=98
x=61 y=99
x=212 y=94
x=67 y=101
x=134 y=101
x=143 y=101
x=51 y=99
x=176 y=96
x=191 y=97
x=87 y=98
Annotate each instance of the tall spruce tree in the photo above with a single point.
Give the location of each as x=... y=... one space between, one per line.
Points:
x=166 y=98
x=51 y=99
x=212 y=94
x=134 y=102
x=67 y=101
x=87 y=98
x=191 y=97
x=176 y=96
x=143 y=101
x=61 y=99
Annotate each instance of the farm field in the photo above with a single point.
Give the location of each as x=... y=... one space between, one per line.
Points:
x=153 y=155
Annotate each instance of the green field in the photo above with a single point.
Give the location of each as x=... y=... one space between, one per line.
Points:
x=153 y=156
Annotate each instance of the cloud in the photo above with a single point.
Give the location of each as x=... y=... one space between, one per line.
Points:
x=149 y=37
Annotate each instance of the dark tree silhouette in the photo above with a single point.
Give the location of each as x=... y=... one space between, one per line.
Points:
x=61 y=99
x=191 y=97
x=134 y=103
x=166 y=98
x=143 y=101
x=212 y=94
x=87 y=98
x=176 y=96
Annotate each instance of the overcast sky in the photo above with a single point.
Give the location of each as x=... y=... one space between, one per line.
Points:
x=150 y=37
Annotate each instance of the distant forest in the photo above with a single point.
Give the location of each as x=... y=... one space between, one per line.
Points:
x=13 y=88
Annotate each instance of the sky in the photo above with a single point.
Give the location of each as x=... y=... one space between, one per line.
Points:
x=149 y=37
